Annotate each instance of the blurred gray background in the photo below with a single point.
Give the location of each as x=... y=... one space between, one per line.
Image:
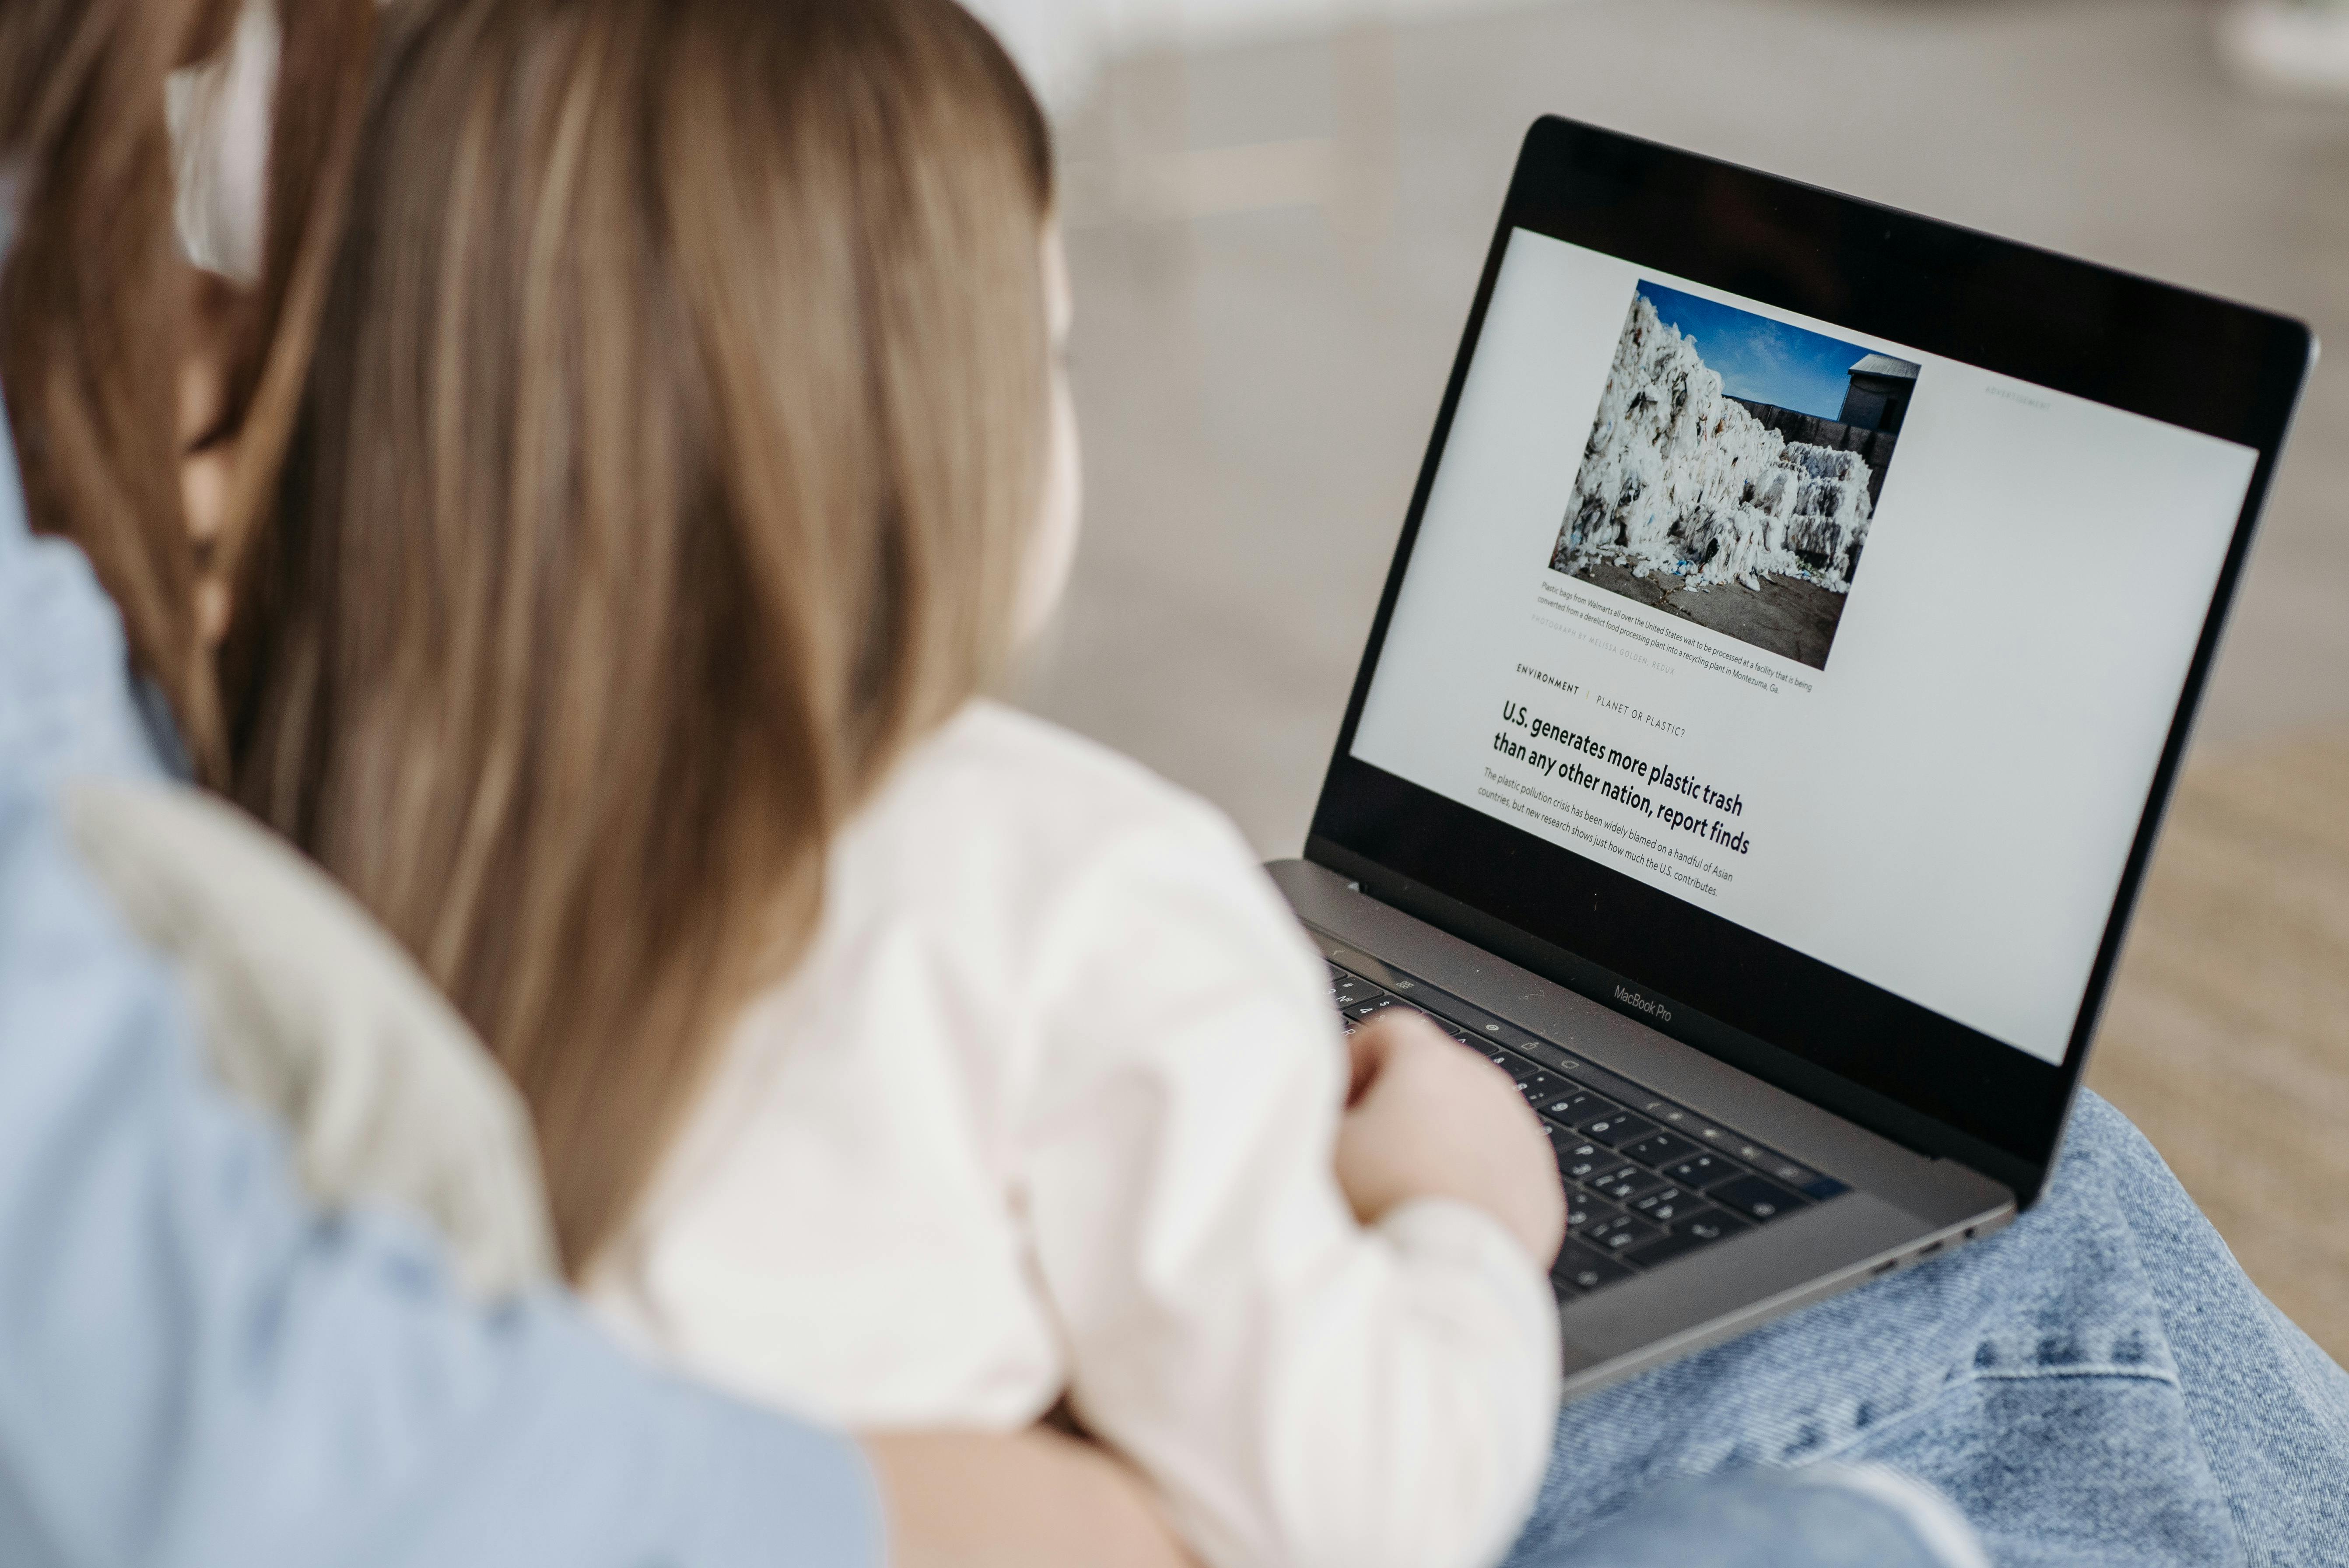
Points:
x=1275 y=228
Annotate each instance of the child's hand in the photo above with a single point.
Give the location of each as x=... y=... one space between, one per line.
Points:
x=1430 y=1119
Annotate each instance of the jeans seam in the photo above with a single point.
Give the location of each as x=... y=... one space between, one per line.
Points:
x=2033 y=1373
x=2019 y=1375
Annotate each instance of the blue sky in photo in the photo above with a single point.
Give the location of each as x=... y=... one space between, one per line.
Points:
x=1759 y=360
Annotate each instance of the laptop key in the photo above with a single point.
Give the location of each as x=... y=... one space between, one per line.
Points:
x=1711 y=1226
x=1619 y=1235
x=1617 y=1129
x=1572 y=1108
x=1784 y=1171
x=1539 y=1088
x=1377 y=1002
x=1701 y=1171
x=1664 y=1248
x=1582 y=1210
x=1754 y=1198
x=1579 y=1160
x=1667 y=1205
x=1586 y=1267
x=1664 y=1148
x=1769 y=1162
x=1625 y=1185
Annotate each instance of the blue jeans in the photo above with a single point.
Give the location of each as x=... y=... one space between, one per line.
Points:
x=2097 y=1384
x=1819 y=1517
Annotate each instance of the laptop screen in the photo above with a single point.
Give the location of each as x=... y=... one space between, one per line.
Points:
x=1795 y=627
x=1844 y=641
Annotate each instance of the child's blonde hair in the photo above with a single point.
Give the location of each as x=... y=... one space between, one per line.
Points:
x=678 y=425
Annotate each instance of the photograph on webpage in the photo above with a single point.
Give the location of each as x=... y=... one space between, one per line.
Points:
x=1732 y=471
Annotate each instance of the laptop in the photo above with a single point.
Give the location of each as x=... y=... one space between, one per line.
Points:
x=1770 y=707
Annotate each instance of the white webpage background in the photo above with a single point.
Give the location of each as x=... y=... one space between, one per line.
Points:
x=1946 y=812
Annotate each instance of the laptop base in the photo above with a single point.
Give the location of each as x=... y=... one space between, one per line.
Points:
x=1867 y=1205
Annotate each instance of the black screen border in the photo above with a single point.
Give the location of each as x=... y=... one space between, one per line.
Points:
x=2170 y=354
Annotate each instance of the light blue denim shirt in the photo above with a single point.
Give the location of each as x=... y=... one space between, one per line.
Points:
x=197 y=1367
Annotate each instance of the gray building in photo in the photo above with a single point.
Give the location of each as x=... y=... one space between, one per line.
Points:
x=1878 y=399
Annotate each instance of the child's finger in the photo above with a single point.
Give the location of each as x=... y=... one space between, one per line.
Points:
x=1367 y=1049
x=1381 y=1042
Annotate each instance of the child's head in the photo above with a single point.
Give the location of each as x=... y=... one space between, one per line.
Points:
x=673 y=456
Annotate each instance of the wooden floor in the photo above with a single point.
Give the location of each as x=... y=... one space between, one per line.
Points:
x=2227 y=1038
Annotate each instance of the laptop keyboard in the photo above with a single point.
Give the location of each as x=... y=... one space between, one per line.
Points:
x=1647 y=1181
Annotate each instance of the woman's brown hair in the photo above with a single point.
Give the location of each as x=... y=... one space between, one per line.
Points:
x=667 y=464
x=95 y=299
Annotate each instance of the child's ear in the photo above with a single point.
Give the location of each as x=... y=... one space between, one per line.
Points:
x=218 y=310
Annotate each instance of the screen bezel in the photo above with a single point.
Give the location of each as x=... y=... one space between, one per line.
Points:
x=2168 y=353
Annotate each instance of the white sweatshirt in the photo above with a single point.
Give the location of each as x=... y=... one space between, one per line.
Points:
x=1049 y=1106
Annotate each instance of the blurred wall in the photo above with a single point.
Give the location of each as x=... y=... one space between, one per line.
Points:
x=1063 y=43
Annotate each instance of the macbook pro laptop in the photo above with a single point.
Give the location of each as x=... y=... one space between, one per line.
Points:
x=1770 y=707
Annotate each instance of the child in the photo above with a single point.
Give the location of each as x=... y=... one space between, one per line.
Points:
x=686 y=448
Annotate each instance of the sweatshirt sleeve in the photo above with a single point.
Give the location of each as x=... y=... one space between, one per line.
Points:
x=197 y=1367
x=1307 y=1393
